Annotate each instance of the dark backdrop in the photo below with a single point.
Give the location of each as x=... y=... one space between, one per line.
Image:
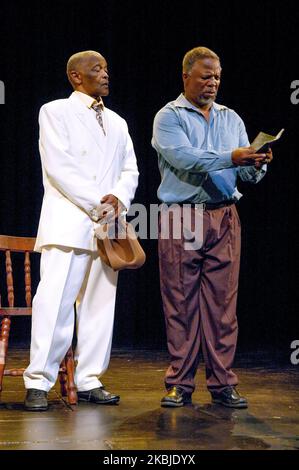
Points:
x=144 y=43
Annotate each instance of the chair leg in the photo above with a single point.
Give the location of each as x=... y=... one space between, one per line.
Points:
x=71 y=387
x=63 y=379
x=4 y=336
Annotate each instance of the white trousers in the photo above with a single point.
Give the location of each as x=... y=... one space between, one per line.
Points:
x=70 y=275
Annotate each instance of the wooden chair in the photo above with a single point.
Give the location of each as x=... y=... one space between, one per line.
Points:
x=25 y=245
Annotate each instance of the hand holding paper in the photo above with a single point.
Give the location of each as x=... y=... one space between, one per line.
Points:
x=247 y=156
x=267 y=159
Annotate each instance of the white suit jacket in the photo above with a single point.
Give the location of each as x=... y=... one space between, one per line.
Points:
x=80 y=165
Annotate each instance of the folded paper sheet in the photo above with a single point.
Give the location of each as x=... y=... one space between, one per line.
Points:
x=263 y=141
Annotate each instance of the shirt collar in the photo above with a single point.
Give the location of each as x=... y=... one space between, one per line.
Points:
x=89 y=101
x=182 y=102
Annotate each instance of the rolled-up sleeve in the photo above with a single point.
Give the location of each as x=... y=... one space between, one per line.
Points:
x=248 y=174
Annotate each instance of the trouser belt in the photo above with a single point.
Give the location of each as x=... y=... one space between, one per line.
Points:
x=210 y=206
x=207 y=206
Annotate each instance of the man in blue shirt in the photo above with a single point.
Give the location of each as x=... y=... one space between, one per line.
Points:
x=202 y=148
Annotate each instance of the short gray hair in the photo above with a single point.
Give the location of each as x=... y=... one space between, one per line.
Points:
x=76 y=59
x=196 y=54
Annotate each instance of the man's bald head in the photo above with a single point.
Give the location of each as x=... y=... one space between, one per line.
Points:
x=75 y=62
x=87 y=72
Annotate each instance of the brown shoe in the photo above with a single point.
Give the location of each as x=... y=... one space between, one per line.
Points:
x=99 y=395
x=175 y=397
x=230 y=398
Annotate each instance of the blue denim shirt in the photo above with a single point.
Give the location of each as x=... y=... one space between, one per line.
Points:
x=195 y=155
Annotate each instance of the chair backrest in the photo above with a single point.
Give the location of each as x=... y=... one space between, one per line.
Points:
x=24 y=245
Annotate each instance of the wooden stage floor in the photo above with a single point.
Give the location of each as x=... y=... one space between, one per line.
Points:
x=138 y=422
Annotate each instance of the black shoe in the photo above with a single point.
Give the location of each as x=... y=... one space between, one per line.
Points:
x=176 y=396
x=229 y=397
x=99 y=396
x=36 y=400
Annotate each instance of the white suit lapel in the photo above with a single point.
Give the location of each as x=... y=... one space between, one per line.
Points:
x=107 y=145
x=84 y=115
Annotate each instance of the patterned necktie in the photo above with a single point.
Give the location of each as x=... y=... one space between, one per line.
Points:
x=98 y=109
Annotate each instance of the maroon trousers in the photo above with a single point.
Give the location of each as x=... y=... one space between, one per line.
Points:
x=199 y=293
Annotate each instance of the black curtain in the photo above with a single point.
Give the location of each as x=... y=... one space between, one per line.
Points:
x=144 y=43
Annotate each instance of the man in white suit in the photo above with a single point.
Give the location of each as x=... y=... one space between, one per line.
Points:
x=88 y=164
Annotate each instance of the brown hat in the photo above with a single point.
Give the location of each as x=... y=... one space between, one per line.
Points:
x=121 y=250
